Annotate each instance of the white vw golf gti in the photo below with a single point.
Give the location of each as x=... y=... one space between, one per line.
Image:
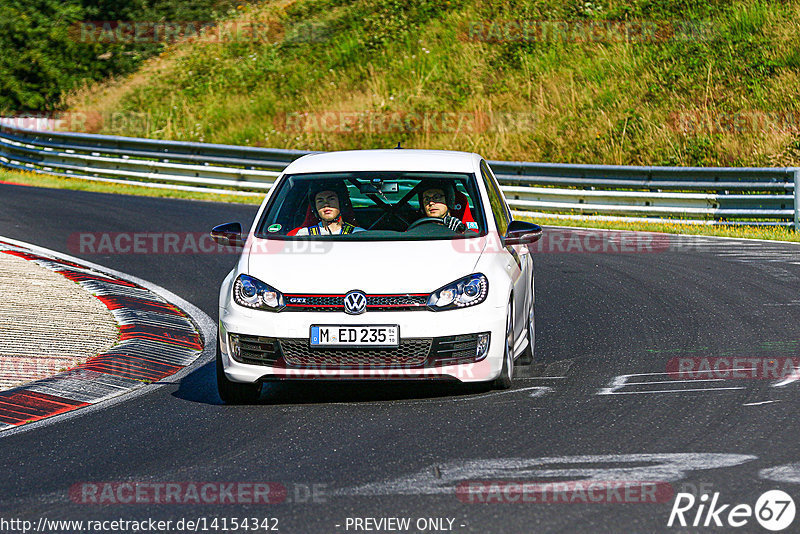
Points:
x=377 y=264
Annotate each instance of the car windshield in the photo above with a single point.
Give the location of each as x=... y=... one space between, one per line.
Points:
x=374 y=206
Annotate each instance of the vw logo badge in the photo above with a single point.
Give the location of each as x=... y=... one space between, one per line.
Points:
x=355 y=302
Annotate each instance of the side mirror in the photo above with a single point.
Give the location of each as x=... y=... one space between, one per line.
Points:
x=522 y=233
x=228 y=234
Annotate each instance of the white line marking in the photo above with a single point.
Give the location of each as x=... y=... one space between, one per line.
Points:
x=785 y=382
x=537 y=393
x=617 y=382
x=666 y=391
x=673 y=373
x=783 y=473
x=663 y=467
x=541 y=377
x=620 y=381
x=648 y=374
x=675 y=381
x=789 y=379
x=757 y=403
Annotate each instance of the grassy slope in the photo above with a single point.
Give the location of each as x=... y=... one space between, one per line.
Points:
x=611 y=102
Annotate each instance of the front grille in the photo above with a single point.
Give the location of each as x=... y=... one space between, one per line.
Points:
x=309 y=300
x=335 y=303
x=397 y=300
x=258 y=350
x=410 y=353
x=428 y=352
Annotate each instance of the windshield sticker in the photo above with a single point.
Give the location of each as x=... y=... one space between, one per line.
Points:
x=472 y=225
x=274 y=228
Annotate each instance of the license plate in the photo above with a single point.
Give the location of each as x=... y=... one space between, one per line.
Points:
x=355 y=336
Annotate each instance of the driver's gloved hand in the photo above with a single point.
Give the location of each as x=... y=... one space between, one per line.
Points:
x=454 y=224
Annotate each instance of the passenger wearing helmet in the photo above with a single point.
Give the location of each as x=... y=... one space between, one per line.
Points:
x=435 y=199
x=328 y=201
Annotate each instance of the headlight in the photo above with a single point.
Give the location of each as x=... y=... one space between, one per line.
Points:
x=467 y=291
x=253 y=293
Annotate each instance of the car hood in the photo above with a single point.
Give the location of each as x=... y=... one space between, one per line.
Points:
x=371 y=266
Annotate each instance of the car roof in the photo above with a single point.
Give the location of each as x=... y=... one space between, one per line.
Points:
x=385 y=160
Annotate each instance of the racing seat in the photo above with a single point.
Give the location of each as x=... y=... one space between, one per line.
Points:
x=461 y=211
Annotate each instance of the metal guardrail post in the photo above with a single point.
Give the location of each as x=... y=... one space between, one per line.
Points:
x=797 y=200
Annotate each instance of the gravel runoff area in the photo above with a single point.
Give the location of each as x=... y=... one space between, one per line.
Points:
x=47 y=323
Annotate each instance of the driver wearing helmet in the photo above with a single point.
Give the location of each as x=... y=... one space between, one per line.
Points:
x=435 y=199
x=328 y=200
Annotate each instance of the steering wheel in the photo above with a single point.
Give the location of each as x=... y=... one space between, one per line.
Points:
x=425 y=220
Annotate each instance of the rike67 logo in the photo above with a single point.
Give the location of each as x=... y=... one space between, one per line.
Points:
x=774 y=510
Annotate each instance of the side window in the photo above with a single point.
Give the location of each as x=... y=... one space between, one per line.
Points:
x=501 y=214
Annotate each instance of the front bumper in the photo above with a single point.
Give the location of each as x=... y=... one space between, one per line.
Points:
x=294 y=327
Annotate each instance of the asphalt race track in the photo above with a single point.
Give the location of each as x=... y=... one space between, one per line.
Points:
x=600 y=406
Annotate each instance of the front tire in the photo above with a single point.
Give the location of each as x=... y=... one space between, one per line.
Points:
x=235 y=392
x=505 y=380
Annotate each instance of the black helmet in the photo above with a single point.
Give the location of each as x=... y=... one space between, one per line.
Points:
x=338 y=187
x=447 y=187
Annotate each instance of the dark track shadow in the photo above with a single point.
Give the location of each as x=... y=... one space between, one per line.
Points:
x=201 y=386
x=361 y=391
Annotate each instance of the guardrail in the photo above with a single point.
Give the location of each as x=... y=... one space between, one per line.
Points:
x=693 y=194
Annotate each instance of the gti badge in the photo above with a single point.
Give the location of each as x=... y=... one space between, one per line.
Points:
x=355 y=302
